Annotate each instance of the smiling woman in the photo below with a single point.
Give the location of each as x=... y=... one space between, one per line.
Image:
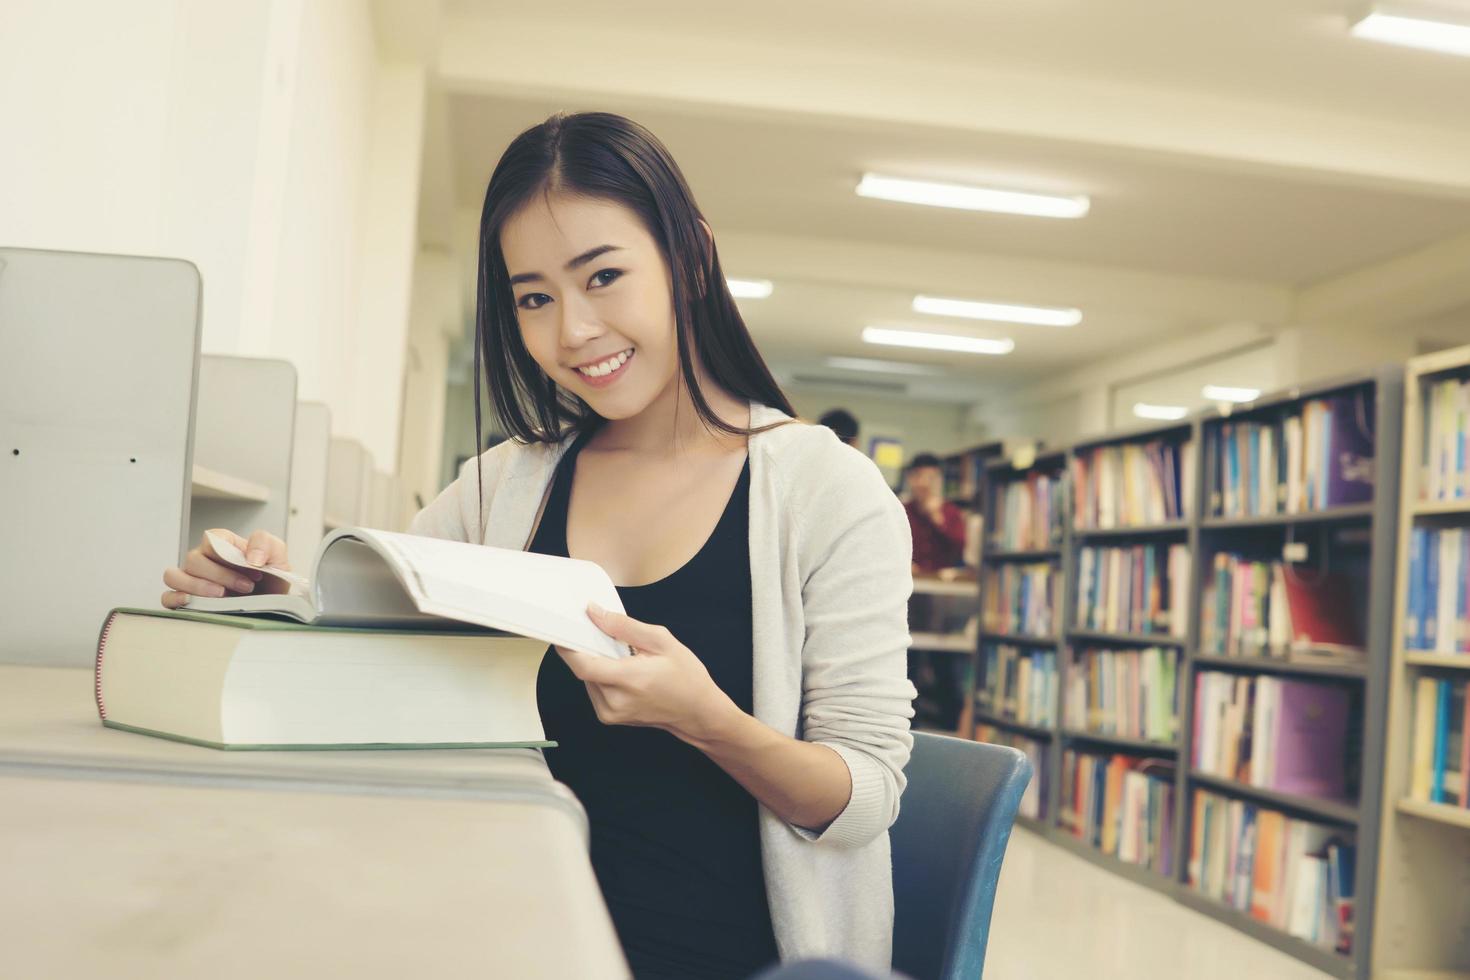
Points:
x=741 y=771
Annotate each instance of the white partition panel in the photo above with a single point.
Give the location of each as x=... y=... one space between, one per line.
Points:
x=344 y=482
x=244 y=427
x=98 y=359
x=308 y=482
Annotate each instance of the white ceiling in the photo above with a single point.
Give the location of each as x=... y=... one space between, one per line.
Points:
x=1327 y=186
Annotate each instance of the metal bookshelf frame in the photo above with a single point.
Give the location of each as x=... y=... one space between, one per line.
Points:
x=1200 y=532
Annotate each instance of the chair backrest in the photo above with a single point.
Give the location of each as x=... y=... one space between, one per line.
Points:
x=948 y=844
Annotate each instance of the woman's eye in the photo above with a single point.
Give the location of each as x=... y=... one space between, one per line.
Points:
x=533 y=301
x=606 y=277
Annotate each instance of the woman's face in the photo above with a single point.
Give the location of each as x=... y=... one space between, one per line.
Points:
x=594 y=299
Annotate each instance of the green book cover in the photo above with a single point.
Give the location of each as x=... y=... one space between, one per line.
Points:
x=264 y=622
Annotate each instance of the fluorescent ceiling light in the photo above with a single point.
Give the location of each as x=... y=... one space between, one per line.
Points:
x=1167 y=413
x=749 y=288
x=970 y=198
x=1437 y=27
x=937 y=341
x=1223 y=393
x=880 y=367
x=1043 y=316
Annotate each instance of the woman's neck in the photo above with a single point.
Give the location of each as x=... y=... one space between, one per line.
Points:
x=671 y=426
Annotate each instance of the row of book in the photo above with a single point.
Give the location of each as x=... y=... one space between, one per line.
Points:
x=1142 y=589
x=1441 y=762
x=1445 y=473
x=1122 y=805
x=1133 y=484
x=1018 y=683
x=1022 y=600
x=1034 y=799
x=1292 y=874
x=1256 y=608
x=1132 y=693
x=1027 y=514
x=962 y=475
x=1319 y=455
x=1277 y=733
x=1437 y=613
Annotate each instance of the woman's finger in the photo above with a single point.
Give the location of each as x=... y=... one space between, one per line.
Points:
x=640 y=636
x=590 y=667
x=174 y=599
x=264 y=548
x=204 y=568
x=181 y=581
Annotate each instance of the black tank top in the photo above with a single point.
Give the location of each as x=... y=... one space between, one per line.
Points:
x=675 y=844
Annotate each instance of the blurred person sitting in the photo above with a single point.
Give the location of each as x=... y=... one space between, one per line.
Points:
x=843 y=423
x=938 y=526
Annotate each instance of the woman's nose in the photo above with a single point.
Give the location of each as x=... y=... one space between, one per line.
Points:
x=579 y=323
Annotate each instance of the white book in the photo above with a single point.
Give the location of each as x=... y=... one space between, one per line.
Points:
x=365 y=578
x=1449 y=575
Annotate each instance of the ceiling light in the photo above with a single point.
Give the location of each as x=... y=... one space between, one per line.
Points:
x=749 y=288
x=1438 y=27
x=1166 y=413
x=1043 y=316
x=937 y=341
x=880 y=367
x=971 y=198
x=1223 y=393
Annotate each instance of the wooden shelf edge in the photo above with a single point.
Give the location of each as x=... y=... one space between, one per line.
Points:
x=1447 y=661
x=1121 y=741
x=941 y=643
x=1439 y=812
x=931 y=586
x=1350 y=512
x=214 y=485
x=1026 y=728
x=1337 y=812
x=1132 y=639
x=1271 y=665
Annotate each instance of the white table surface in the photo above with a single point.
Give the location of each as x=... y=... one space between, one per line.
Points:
x=133 y=879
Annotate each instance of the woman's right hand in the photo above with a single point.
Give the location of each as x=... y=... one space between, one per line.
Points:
x=203 y=574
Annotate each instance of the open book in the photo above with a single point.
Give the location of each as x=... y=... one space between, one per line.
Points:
x=370 y=579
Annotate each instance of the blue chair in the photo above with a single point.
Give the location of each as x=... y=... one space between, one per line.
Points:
x=948 y=843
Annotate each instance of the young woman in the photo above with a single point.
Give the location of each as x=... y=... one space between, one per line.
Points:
x=740 y=772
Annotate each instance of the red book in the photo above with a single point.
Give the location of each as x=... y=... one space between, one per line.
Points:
x=1322 y=610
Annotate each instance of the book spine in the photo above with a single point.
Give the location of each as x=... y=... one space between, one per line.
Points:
x=1441 y=739
x=97 y=668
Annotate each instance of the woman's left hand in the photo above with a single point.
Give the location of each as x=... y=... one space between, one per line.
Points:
x=663 y=685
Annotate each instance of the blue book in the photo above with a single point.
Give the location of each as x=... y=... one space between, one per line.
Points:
x=1253 y=481
x=1461 y=629
x=1232 y=462
x=1431 y=590
x=1441 y=740
x=1412 y=621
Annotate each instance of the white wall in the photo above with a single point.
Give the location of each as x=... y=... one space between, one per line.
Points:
x=266 y=141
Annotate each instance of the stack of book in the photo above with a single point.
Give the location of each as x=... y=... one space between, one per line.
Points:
x=1028 y=513
x=1441 y=763
x=1268 y=609
x=1445 y=455
x=1132 y=693
x=395 y=640
x=1122 y=805
x=1292 y=874
x=1018 y=684
x=1132 y=485
x=1437 y=616
x=1034 y=800
x=1141 y=589
x=1022 y=600
x=1318 y=456
x=1277 y=733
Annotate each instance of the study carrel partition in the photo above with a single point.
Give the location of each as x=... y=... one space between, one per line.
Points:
x=244 y=429
x=98 y=363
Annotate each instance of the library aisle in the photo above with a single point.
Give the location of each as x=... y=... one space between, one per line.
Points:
x=1057 y=915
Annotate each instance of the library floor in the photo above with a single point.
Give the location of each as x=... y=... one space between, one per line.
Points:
x=1058 y=916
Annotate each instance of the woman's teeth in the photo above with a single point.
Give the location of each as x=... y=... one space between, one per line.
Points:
x=608 y=366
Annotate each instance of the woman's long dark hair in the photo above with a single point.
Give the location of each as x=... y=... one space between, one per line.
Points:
x=608 y=157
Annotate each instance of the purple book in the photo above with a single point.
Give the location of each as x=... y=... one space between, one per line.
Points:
x=1311 y=739
x=1350 y=449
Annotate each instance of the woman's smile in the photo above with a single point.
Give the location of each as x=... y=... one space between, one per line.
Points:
x=600 y=374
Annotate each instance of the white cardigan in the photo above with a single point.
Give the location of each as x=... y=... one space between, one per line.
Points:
x=830 y=555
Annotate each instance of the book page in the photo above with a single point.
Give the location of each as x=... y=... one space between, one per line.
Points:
x=540 y=596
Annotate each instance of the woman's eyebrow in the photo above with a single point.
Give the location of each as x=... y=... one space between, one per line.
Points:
x=575 y=263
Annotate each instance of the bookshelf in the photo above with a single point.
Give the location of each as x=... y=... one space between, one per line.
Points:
x=1020 y=534
x=1361 y=534
x=942 y=648
x=1421 y=928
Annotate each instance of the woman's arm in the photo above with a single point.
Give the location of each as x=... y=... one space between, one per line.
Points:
x=666 y=686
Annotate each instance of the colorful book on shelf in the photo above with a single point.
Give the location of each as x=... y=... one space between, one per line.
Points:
x=1437 y=608
x=1439 y=770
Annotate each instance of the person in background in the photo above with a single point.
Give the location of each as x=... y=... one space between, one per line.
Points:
x=938 y=526
x=843 y=423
